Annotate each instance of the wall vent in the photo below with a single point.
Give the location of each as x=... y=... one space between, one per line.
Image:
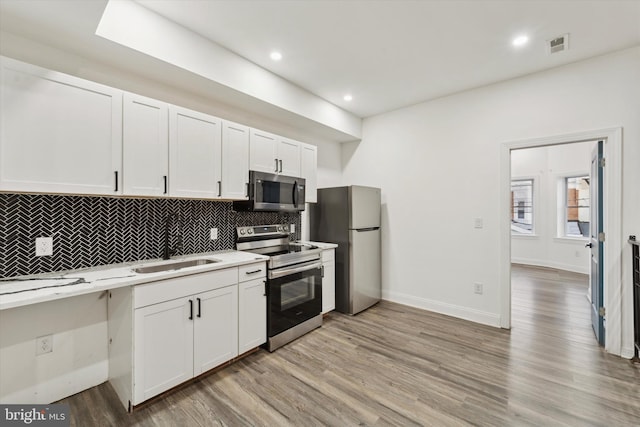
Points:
x=559 y=44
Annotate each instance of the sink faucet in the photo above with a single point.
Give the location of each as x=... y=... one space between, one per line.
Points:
x=167 y=251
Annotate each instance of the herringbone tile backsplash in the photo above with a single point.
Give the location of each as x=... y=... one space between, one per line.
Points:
x=93 y=231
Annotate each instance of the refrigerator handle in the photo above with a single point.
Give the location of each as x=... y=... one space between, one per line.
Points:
x=360 y=230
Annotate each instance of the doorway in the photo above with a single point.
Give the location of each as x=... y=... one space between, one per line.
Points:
x=612 y=183
x=550 y=226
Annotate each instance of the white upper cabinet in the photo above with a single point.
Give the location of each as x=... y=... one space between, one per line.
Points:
x=235 y=160
x=288 y=157
x=145 y=147
x=58 y=133
x=262 y=152
x=308 y=171
x=274 y=154
x=195 y=144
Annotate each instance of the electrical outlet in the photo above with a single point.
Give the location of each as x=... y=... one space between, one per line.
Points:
x=477 y=288
x=292 y=228
x=44 y=344
x=478 y=223
x=213 y=234
x=44 y=246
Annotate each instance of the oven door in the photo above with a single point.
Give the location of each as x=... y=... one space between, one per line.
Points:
x=294 y=294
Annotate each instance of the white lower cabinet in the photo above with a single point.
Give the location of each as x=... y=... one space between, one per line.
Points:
x=252 y=306
x=328 y=280
x=215 y=328
x=163 y=345
x=164 y=333
x=252 y=320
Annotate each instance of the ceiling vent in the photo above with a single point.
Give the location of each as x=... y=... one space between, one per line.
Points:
x=559 y=44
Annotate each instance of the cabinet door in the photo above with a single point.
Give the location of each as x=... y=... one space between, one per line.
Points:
x=289 y=155
x=308 y=168
x=163 y=347
x=329 y=287
x=215 y=328
x=58 y=133
x=262 y=151
x=235 y=160
x=252 y=315
x=194 y=154
x=145 y=145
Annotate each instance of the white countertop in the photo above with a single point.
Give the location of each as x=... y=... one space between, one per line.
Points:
x=321 y=245
x=25 y=290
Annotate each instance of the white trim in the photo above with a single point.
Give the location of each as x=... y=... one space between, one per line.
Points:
x=551 y=264
x=576 y=240
x=525 y=236
x=615 y=293
x=466 y=313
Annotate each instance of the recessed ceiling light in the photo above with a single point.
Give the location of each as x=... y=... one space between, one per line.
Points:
x=520 y=41
x=348 y=97
x=276 y=56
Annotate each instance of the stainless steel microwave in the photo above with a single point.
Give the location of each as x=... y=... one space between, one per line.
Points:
x=273 y=193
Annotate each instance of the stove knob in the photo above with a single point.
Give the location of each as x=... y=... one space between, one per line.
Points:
x=279 y=228
x=242 y=232
x=285 y=228
x=250 y=231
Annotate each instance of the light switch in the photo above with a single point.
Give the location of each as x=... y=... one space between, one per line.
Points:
x=477 y=223
x=213 y=234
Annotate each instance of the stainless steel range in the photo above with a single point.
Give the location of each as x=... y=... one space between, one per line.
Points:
x=294 y=281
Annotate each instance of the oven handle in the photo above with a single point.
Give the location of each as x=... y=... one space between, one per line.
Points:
x=274 y=274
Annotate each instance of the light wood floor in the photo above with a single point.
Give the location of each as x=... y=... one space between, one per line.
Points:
x=395 y=365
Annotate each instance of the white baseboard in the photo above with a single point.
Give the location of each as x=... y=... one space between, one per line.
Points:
x=466 y=313
x=551 y=264
x=627 y=352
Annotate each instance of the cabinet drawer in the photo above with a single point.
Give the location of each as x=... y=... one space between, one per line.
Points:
x=252 y=271
x=328 y=255
x=166 y=290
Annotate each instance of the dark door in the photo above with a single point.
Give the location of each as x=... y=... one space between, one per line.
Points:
x=596 y=244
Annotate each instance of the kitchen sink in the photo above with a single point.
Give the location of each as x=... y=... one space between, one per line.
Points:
x=174 y=265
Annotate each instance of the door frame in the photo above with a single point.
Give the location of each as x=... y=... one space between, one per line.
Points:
x=612 y=206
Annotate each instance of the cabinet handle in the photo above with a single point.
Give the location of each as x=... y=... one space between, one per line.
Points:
x=322 y=271
x=190 y=309
x=253 y=271
x=219 y=188
x=199 y=307
x=276 y=166
x=280 y=165
x=247 y=190
x=266 y=289
x=115 y=173
x=165 y=183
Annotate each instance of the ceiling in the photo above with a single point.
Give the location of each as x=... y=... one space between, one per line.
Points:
x=386 y=54
x=389 y=54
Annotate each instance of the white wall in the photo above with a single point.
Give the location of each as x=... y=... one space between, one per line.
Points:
x=79 y=359
x=438 y=164
x=546 y=166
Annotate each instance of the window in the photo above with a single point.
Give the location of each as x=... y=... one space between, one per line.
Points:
x=522 y=206
x=577 y=210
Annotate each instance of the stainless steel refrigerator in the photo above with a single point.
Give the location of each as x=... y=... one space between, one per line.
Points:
x=350 y=217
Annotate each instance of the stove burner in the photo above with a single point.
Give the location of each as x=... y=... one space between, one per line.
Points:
x=273 y=241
